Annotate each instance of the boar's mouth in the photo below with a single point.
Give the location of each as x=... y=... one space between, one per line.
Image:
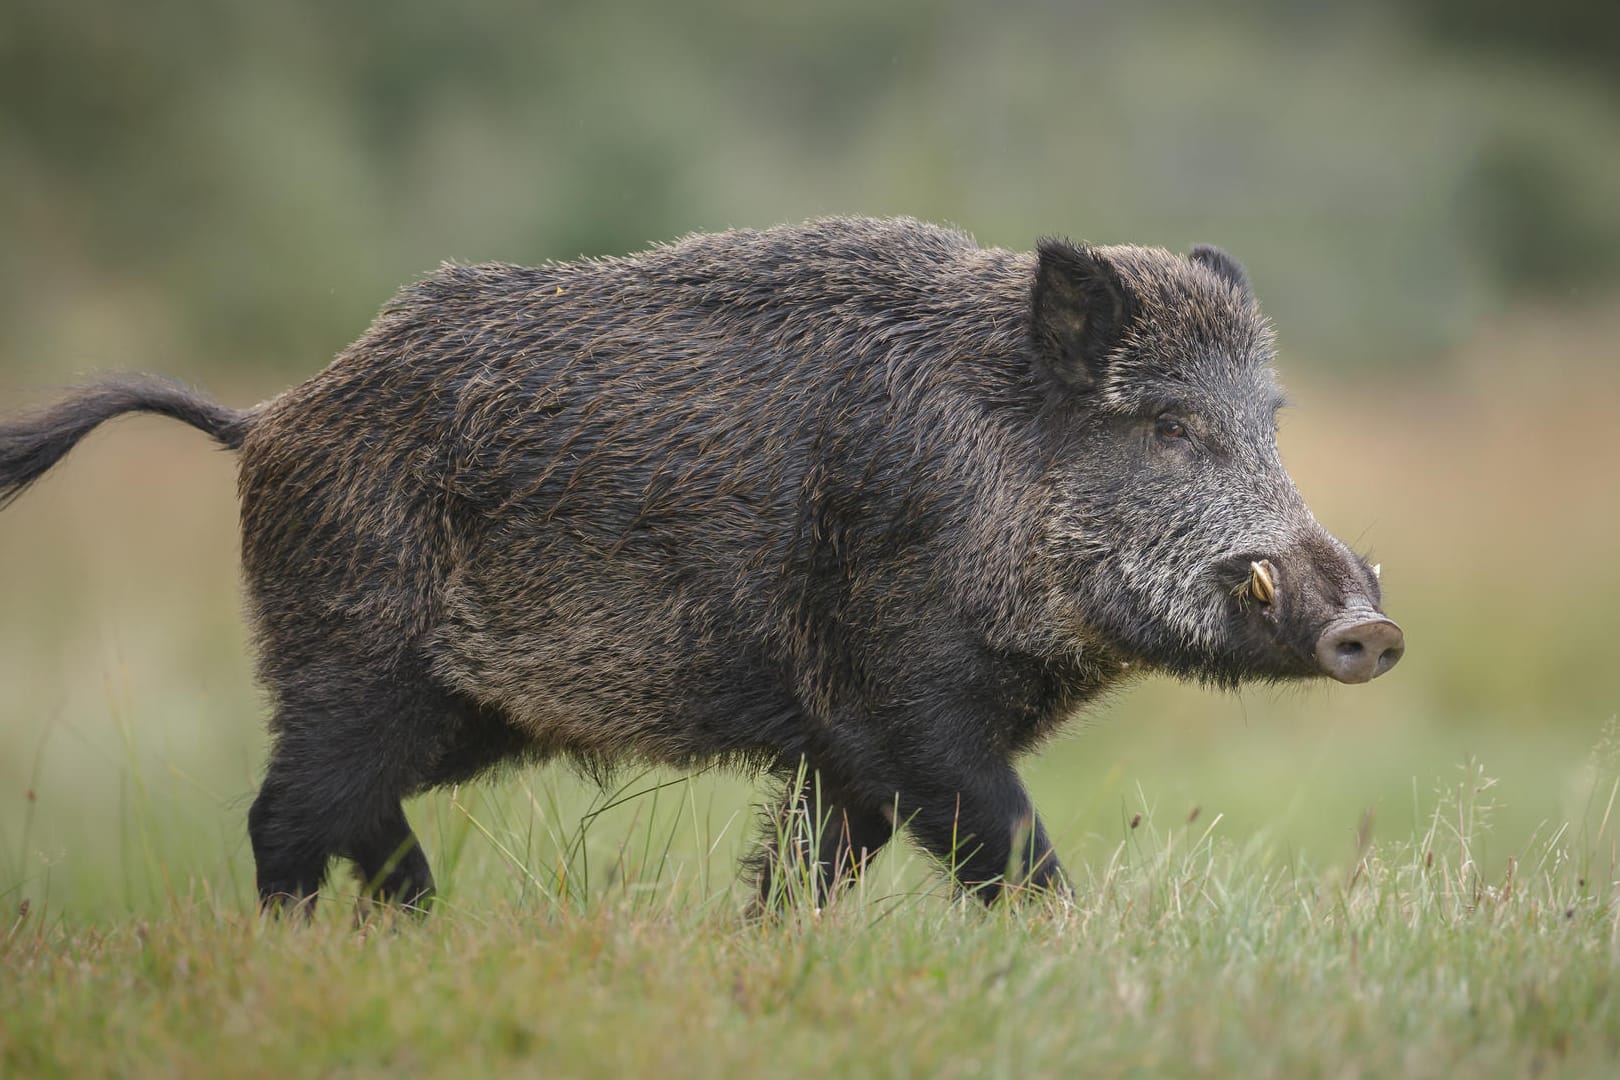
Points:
x=1259 y=600
x=1249 y=578
x=1286 y=630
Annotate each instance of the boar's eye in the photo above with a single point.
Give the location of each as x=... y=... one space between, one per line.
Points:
x=1167 y=427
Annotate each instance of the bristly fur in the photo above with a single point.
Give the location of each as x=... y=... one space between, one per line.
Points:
x=856 y=493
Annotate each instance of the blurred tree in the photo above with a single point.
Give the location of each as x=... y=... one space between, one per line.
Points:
x=1535 y=222
x=193 y=186
x=1579 y=32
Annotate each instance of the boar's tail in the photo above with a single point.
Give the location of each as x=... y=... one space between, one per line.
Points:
x=33 y=443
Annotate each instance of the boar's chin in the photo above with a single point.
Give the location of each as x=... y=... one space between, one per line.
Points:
x=1262 y=662
x=1234 y=657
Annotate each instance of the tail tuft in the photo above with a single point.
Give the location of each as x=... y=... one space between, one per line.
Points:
x=33 y=443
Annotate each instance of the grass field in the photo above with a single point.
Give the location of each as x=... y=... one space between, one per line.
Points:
x=1185 y=953
x=1415 y=877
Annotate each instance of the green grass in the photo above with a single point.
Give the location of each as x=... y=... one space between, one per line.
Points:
x=1185 y=952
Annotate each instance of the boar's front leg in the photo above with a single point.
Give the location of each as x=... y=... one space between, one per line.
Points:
x=981 y=825
x=948 y=783
x=818 y=839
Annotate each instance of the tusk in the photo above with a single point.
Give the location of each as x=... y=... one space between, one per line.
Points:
x=1261 y=584
x=1378 y=569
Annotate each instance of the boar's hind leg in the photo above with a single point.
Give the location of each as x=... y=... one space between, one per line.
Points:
x=349 y=745
x=319 y=801
x=391 y=864
x=817 y=841
x=290 y=852
x=469 y=740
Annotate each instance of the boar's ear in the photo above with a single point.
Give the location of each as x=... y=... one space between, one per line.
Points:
x=1226 y=268
x=1079 y=310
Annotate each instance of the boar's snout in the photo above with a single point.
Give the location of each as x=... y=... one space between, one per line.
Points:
x=1359 y=646
x=1317 y=604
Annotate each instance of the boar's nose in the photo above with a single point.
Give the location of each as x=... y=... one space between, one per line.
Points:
x=1358 y=647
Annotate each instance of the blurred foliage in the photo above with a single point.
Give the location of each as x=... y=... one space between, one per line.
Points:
x=231 y=187
x=1575 y=32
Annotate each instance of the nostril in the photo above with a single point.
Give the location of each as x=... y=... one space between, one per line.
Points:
x=1348 y=649
x=1389 y=656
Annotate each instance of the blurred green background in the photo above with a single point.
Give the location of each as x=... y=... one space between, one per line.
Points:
x=1424 y=194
